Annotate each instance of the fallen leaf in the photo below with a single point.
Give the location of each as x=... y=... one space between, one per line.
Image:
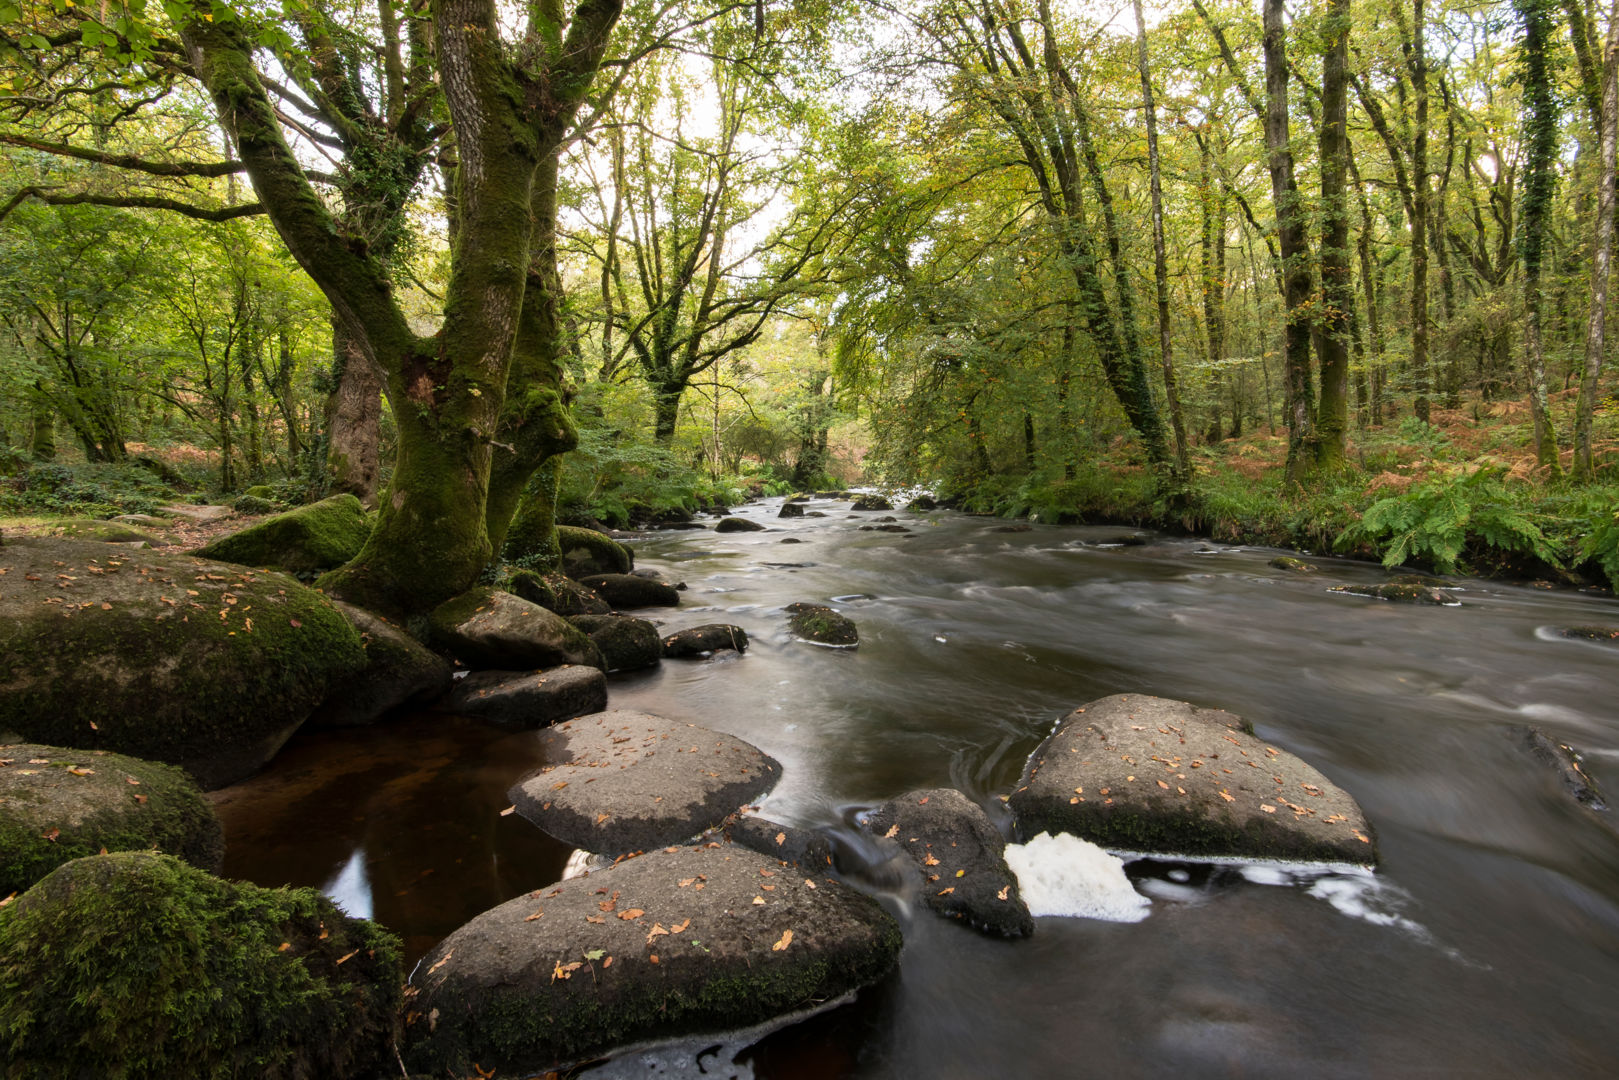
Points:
x=558 y=786
x=76 y=771
x=892 y=832
x=947 y=892
x=595 y=954
x=346 y=958
x=531 y=918
x=285 y=945
x=961 y=873
x=1002 y=894
x=781 y=838
x=758 y=899
x=445 y=959
x=680 y=927
x=565 y=971
x=653 y=958
x=1163 y=785
x=930 y=861
x=295 y=623
x=597 y=919
x=633 y=913
x=1362 y=837
x=509 y=811
x=786 y=940
x=808 y=884
x=132 y=781
x=1269 y=809
x=602 y=817
x=51 y=835
x=1226 y=795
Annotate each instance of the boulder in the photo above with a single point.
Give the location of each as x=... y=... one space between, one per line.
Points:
x=791 y=510
x=821 y=625
x=626 y=644
x=1400 y=593
x=399 y=670
x=870 y=502
x=922 y=502
x=736 y=524
x=790 y=540
x=1149 y=774
x=492 y=628
x=1296 y=566
x=1013 y=528
x=107 y=532
x=143 y=521
x=529 y=699
x=556 y=593
x=884 y=528
x=672 y=943
x=58 y=805
x=629 y=781
x=586 y=551
x=1565 y=763
x=629 y=591
x=1606 y=635
x=135 y=964
x=201 y=513
x=320 y=536
x=702 y=640
x=805 y=849
x=163 y=656
x=961 y=856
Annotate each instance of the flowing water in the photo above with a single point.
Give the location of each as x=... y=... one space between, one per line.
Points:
x=1486 y=944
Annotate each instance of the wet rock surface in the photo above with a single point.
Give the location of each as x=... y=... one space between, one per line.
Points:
x=529 y=699
x=960 y=854
x=626 y=781
x=1565 y=763
x=57 y=805
x=698 y=641
x=587 y=551
x=871 y=502
x=822 y=625
x=632 y=591
x=626 y=643
x=557 y=593
x=1296 y=566
x=399 y=670
x=674 y=942
x=805 y=849
x=738 y=524
x=791 y=510
x=1400 y=593
x=493 y=629
x=1150 y=774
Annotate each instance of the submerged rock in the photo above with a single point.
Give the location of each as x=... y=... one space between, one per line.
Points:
x=176 y=973
x=705 y=639
x=530 y=699
x=737 y=524
x=164 y=657
x=1151 y=774
x=960 y=854
x=58 y=805
x=626 y=644
x=1013 y=528
x=1604 y=634
x=492 y=628
x=1400 y=593
x=871 y=502
x=790 y=540
x=884 y=528
x=399 y=670
x=1289 y=563
x=320 y=536
x=675 y=942
x=1565 y=762
x=629 y=781
x=586 y=552
x=630 y=591
x=823 y=626
x=791 y=510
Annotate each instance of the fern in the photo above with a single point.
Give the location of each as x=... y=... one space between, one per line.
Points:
x=1438 y=520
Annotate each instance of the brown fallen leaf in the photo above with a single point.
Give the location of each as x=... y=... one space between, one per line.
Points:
x=680 y=927
x=597 y=919
x=781 y=838
x=930 y=861
x=786 y=940
x=76 y=771
x=285 y=945
x=564 y=971
x=509 y=811
x=892 y=832
x=559 y=785
x=132 y=781
x=657 y=931
x=531 y=918
x=445 y=959
x=1163 y=785
x=1226 y=795
x=758 y=899
x=947 y=892
x=602 y=817
x=1269 y=809
x=51 y=835
x=1002 y=894
x=633 y=913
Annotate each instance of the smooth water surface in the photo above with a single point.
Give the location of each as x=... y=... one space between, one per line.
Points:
x=1487 y=943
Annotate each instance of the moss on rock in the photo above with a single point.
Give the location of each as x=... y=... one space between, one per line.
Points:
x=134 y=966
x=107 y=532
x=821 y=625
x=319 y=536
x=586 y=552
x=165 y=657
x=58 y=805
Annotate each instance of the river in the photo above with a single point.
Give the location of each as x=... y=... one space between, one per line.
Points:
x=1486 y=944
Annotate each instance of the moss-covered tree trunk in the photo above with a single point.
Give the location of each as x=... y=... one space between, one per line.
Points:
x=1337 y=289
x=42 y=441
x=1601 y=255
x=1540 y=180
x=353 y=418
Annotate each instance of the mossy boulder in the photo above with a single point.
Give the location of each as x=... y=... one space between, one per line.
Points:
x=107 y=532
x=1292 y=565
x=1150 y=774
x=163 y=656
x=737 y=524
x=627 y=644
x=821 y=625
x=791 y=510
x=488 y=628
x=556 y=593
x=586 y=552
x=1606 y=635
x=632 y=590
x=635 y=952
x=1400 y=593
x=399 y=671
x=58 y=805
x=922 y=503
x=319 y=536
x=248 y=503
x=135 y=965
x=870 y=502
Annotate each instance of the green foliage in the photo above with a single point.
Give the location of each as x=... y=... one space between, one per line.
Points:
x=1440 y=520
x=84 y=490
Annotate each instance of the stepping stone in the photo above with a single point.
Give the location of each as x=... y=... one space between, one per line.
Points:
x=529 y=699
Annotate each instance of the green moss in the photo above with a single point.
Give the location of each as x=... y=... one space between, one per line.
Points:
x=314 y=537
x=586 y=551
x=50 y=816
x=108 y=532
x=136 y=966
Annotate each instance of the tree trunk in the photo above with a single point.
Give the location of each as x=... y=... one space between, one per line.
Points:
x=1337 y=289
x=1540 y=135
x=1212 y=242
x=1418 y=64
x=1160 y=264
x=42 y=443
x=353 y=418
x=1601 y=256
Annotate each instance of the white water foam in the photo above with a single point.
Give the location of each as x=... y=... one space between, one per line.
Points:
x=1064 y=875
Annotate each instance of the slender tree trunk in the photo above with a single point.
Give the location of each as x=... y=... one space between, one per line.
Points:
x=42 y=443
x=1540 y=131
x=353 y=418
x=1212 y=243
x=1337 y=289
x=1418 y=64
x=1601 y=256
x=1160 y=263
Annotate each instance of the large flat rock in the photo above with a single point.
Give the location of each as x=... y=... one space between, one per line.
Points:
x=1150 y=774
x=489 y=628
x=624 y=781
x=676 y=942
x=530 y=699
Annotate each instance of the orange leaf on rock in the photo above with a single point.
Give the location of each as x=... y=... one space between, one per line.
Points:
x=633 y=913
x=786 y=940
